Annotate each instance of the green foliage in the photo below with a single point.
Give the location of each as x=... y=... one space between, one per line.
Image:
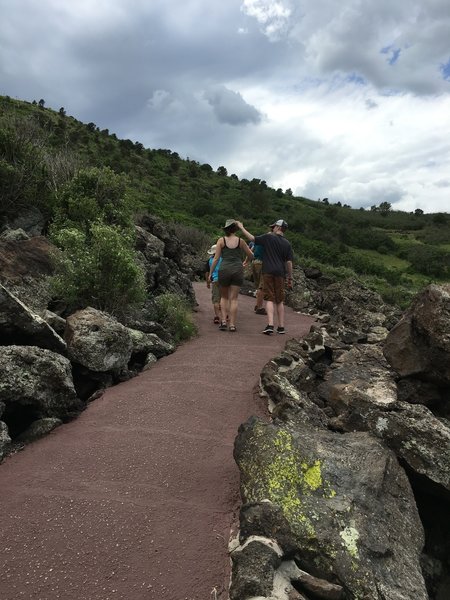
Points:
x=22 y=167
x=430 y=260
x=174 y=314
x=93 y=228
x=105 y=180
x=191 y=236
x=99 y=269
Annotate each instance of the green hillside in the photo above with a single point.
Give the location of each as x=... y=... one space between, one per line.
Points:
x=42 y=152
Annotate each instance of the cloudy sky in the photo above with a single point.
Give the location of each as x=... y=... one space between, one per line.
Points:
x=346 y=100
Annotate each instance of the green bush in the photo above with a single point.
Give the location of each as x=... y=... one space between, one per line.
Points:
x=99 y=270
x=175 y=315
x=94 y=195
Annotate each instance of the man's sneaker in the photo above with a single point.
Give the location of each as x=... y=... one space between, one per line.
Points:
x=261 y=311
x=268 y=330
x=280 y=330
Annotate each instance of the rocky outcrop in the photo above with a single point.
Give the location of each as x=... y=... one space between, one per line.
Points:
x=38 y=391
x=419 y=345
x=20 y=326
x=165 y=259
x=346 y=526
x=351 y=427
x=35 y=383
x=97 y=341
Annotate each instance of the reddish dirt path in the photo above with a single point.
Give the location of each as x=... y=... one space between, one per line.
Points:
x=134 y=499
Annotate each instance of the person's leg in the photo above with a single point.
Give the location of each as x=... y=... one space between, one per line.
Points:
x=268 y=287
x=279 y=302
x=259 y=301
x=257 y=279
x=280 y=314
x=216 y=301
x=269 y=309
x=233 y=299
x=224 y=292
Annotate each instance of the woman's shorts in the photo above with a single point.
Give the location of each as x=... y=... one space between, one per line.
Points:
x=273 y=287
x=231 y=277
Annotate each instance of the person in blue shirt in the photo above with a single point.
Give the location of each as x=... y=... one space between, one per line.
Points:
x=214 y=283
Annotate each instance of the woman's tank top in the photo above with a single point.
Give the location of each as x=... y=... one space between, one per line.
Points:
x=231 y=257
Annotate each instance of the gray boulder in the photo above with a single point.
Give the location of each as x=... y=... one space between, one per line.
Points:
x=37 y=382
x=419 y=344
x=346 y=505
x=149 y=343
x=97 y=341
x=5 y=440
x=20 y=326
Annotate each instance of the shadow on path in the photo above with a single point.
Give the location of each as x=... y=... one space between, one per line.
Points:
x=134 y=499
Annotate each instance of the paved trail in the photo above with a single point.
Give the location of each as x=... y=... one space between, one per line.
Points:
x=134 y=499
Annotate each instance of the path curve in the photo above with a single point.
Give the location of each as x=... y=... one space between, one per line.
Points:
x=134 y=499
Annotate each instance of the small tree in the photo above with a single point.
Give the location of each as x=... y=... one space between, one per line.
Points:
x=385 y=208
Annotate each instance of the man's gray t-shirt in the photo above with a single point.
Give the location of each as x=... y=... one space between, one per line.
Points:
x=277 y=250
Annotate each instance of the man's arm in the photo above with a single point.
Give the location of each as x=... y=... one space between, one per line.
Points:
x=247 y=234
x=289 y=273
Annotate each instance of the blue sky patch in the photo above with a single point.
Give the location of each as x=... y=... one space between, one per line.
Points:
x=393 y=53
x=445 y=70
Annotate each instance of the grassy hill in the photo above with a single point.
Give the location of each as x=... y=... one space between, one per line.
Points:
x=42 y=150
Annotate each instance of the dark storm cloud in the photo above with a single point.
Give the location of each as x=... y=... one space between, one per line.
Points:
x=230 y=107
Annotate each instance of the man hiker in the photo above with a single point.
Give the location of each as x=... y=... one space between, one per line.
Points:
x=276 y=269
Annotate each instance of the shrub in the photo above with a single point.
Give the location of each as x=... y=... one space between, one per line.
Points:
x=196 y=239
x=174 y=314
x=99 y=270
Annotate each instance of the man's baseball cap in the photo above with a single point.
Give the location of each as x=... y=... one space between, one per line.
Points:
x=280 y=223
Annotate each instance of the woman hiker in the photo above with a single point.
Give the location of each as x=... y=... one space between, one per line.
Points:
x=230 y=248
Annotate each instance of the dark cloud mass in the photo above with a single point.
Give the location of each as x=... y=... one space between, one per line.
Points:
x=231 y=108
x=352 y=104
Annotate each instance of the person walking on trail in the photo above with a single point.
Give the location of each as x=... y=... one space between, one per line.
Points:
x=230 y=248
x=276 y=269
x=256 y=266
x=258 y=252
x=214 y=283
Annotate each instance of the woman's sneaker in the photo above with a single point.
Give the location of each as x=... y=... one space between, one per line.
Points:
x=280 y=330
x=268 y=330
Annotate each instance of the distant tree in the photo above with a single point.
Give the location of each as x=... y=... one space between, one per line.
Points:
x=279 y=193
x=222 y=171
x=325 y=201
x=385 y=208
x=338 y=203
x=374 y=208
x=206 y=168
x=362 y=208
x=418 y=211
x=288 y=192
x=234 y=176
x=91 y=126
x=41 y=103
x=62 y=112
x=347 y=206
